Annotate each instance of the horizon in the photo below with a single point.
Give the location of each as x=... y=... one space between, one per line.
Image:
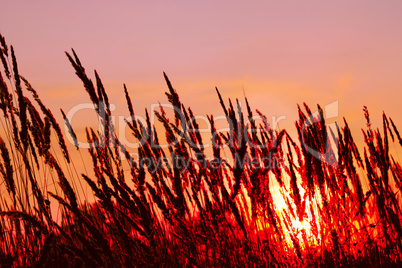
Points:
x=213 y=135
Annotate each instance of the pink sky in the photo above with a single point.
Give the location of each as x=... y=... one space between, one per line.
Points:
x=282 y=53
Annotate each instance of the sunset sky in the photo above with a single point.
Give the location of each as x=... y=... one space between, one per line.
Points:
x=281 y=52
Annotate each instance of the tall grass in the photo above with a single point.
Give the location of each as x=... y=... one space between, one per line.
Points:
x=185 y=205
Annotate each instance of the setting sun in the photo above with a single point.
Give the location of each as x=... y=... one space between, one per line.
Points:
x=200 y=134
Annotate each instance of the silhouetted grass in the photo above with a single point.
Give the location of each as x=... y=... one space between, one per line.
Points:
x=185 y=205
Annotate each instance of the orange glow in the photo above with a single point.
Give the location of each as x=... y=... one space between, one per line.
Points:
x=342 y=55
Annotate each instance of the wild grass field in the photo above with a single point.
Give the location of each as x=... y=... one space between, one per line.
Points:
x=186 y=205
